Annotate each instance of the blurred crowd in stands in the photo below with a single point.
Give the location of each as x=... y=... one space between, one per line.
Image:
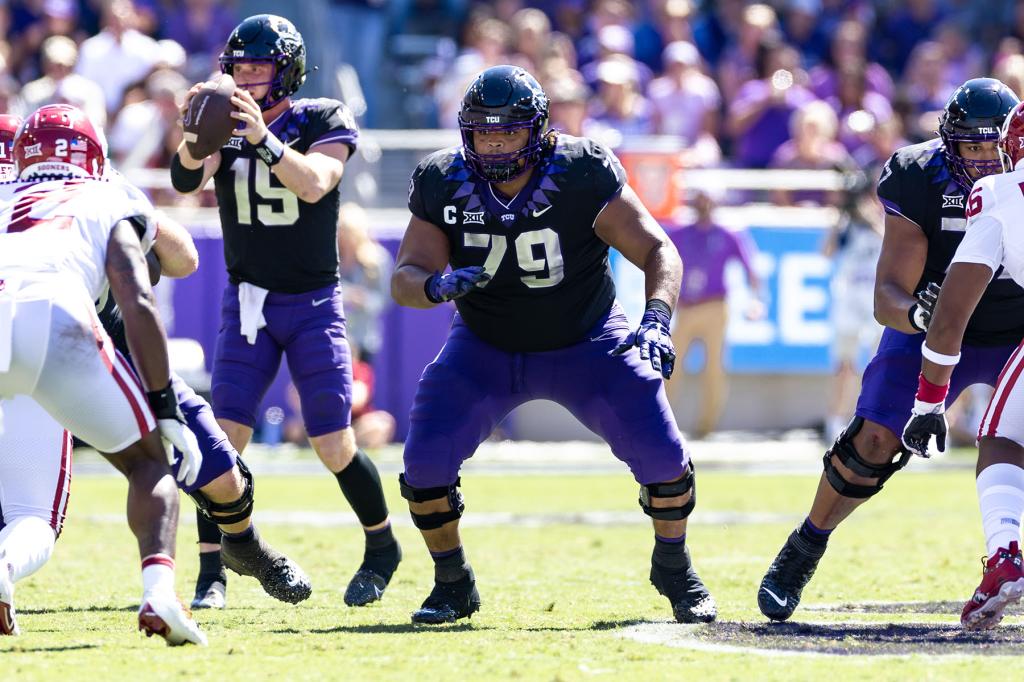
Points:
x=780 y=84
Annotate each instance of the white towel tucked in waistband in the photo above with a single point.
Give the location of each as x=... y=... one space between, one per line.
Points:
x=250 y=301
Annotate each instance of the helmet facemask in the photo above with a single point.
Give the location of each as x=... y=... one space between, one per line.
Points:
x=960 y=166
x=509 y=166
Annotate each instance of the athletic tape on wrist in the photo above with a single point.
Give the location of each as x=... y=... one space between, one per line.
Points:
x=939 y=358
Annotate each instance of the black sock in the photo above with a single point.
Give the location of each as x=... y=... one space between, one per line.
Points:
x=450 y=566
x=814 y=535
x=360 y=483
x=246 y=535
x=211 y=568
x=382 y=552
x=670 y=552
x=209 y=532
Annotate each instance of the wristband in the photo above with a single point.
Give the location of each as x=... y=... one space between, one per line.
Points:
x=428 y=285
x=938 y=358
x=164 y=403
x=185 y=179
x=659 y=311
x=927 y=392
x=270 y=149
x=916 y=316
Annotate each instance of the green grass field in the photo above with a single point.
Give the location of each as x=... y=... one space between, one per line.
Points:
x=559 y=599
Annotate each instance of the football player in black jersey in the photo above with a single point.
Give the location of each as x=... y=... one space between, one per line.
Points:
x=923 y=188
x=277 y=190
x=525 y=217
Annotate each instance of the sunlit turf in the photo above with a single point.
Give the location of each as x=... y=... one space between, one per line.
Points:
x=555 y=597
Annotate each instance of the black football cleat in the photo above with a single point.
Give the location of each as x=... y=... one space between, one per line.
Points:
x=781 y=586
x=373 y=576
x=449 y=602
x=280 y=577
x=691 y=601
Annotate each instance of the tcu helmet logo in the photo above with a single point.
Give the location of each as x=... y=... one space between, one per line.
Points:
x=493 y=119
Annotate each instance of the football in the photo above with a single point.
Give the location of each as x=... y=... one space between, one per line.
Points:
x=208 y=123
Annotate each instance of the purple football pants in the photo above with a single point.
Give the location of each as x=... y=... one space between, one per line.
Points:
x=470 y=387
x=309 y=328
x=890 y=379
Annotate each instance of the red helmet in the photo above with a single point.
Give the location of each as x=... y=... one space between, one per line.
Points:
x=8 y=129
x=59 y=140
x=1011 y=139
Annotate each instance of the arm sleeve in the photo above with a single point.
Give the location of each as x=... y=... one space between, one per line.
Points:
x=333 y=122
x=744 y=249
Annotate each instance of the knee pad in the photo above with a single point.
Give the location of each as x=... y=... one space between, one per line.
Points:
x=846 y=453
x=228 y=512
x=437 y=519
x=687 y=484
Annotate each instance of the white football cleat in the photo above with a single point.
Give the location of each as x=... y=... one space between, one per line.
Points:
x=215 y=597
x=166 y=616
x=8 y=623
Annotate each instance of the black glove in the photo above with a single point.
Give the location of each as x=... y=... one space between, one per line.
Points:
x=920 y=314
x=926 y=420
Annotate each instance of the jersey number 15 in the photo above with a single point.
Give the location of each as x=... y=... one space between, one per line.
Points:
x=266 y=213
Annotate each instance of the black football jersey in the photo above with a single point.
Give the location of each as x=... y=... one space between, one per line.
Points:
x=550 y=276
x=916 y=184
x=272 y=238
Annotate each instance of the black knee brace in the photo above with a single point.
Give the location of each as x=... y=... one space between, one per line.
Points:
x=228 y=512
x=437 y=519
x=684 y=485
x=846 y=453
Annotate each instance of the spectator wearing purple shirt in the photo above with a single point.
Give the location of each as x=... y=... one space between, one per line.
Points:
x=758 y=118
x=199 y=26
x=813 y=147
x=858 y=109
x=706 y=248
x=849 y=45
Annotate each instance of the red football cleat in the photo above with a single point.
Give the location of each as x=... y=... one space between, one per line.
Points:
x=1002 y=584
x=8 y=623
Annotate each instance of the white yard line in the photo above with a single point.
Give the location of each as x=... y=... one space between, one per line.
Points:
x=323 y=519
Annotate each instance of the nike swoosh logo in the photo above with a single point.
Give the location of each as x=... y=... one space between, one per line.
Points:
x=780 y=602
x=537 y=214
x=319 y=302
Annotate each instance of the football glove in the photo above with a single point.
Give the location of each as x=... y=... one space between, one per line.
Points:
x=926 y=420
x=653 y=338
x=920 y=314
x=455 y=284
x=173 y=429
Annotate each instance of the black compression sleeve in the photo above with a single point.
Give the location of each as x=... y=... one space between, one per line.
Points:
x=183 y=179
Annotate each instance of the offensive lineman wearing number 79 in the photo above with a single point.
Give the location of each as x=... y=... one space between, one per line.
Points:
x=277 y=189
x=525 y=217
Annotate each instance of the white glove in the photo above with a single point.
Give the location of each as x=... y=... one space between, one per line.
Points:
x=184 y=441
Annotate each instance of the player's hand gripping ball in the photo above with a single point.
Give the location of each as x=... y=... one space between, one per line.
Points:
x=207 y=116
x=248 y=117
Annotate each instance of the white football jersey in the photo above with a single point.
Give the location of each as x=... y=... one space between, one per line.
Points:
x=63 y=226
